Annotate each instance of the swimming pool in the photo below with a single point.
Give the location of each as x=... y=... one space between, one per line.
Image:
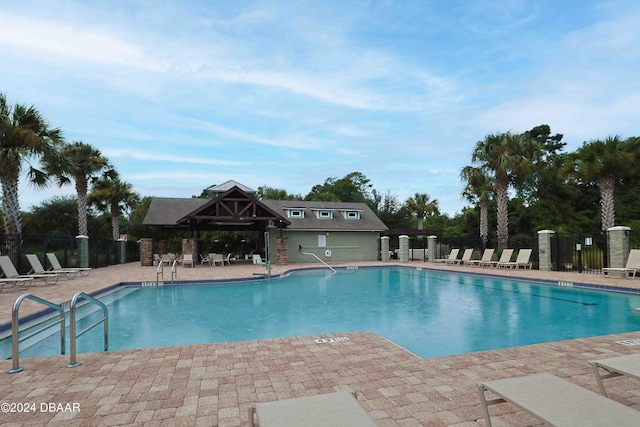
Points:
x=430 y=313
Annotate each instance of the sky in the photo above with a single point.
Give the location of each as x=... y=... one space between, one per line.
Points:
x=183 y=95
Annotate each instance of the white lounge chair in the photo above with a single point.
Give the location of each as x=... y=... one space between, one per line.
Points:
x=10 y=272
x=524 y=255
x=557 y=402
x=339 y=409
x=17 y=282
x=616 y=366
x=37 y=268
x=486 y=257
x=55 y=266
x=630 y=268
x=453 y=256
x=466 y=257
x=505 y=257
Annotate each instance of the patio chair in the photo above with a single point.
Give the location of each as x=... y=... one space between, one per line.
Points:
x=339 y=409
x=524 y=255
x=37 y=268
x=630 y=268
x=187 y=259
x=227 y=259
x=466 y=257
x=486 y=257
x=615 y=367
x=453 y=255
x=257 y=259
x=55 y=266
x=218 y=259
x=204 y=259
x=157 y=259
x=557 y=402
x=10 y=272
x=505 y=257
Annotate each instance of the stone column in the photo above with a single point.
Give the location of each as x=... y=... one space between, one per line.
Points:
x=146 y=252
x=544 y=250
x=190 y=246
x=432 y=241
x=282 y=251
x=83 y=251
x=384 y=248
x=618 y=241
x=403 y=249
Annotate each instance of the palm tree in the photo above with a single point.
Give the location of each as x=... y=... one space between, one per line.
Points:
x=603 y=162
x=24 y=134
x=509 y=158
x=86 y=163
x=478 y=190
x=422 y=206
x=114 y=196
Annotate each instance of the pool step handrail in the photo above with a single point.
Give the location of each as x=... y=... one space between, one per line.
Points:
x=160 y=271
x=72 y=326
x=319 y=259
x=15 y=329
x=174 y=270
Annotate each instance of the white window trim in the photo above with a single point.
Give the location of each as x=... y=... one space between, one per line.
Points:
x=290 y=212
x=319 y=213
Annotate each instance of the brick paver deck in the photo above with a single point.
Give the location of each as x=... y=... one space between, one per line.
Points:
x=214 y=384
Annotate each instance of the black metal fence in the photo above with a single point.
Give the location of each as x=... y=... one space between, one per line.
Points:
x=102 y=252
x=583 y=253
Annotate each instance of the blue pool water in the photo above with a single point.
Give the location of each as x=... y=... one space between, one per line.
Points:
x=430 y=313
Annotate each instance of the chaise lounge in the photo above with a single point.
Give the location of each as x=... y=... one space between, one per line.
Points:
x=55 y=266
x=557 y=402
x=339 y=409
x=630 y=268
x=11 y=273
x=615 y=367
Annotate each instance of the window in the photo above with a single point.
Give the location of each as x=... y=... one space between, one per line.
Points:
x=322 y=240
x=295 y=213
x=324 y=213
x=351 y=214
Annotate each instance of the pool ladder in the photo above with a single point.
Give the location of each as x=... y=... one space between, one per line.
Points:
x=160 y=271
x=319 y=259
x=15 y=327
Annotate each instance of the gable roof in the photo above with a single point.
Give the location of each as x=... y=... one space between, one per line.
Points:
x=368 y=221
x=168 y=211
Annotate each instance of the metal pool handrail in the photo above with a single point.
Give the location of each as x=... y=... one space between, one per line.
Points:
x=160 y=271
x=72 y=326
x=15 y=323
x=319 y=259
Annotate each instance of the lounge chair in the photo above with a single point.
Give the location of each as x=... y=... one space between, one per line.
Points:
x=453 y=256
x=557 y=402
x=10 y=272
x=630 y=268
x=486 y=257
x=17 y=282
x=37 y=268
x=339 y=409
x=55 y=266
x=505 y=257
x=615 y=367
x=524 y=255
x=466 y=257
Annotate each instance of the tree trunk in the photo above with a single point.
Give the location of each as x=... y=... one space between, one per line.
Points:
x=115 y=222
x=81 y=190
x=502 y=197
x=11 y=206
x=607 y=186
x=484 y=223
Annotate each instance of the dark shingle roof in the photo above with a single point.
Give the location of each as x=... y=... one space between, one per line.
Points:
x=167 y=211
x=368 y=220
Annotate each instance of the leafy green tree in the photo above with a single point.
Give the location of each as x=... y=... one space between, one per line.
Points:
x=24 y=135
x=388 y=208
x=270 y=193
x=115 y=196
x=508 y=158
x=86 y=164
x=603 y=163
x=422 y=206
x=478 y=189
x=353 y=187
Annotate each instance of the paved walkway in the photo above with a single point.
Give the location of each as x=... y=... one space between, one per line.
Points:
x=214 y=384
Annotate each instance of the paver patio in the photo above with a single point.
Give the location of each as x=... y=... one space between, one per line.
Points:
x=214 y=384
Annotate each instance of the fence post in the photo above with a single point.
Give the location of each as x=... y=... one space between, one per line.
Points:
x=83 y=251
x=544 y=250
x=384 y=248
x=431 y=247
x=403 y=249
x=122 y=251
x=618 y=242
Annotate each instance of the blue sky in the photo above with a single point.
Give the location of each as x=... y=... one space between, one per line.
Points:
x=181 y=95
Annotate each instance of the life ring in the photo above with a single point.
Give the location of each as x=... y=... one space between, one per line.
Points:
x=327 y=253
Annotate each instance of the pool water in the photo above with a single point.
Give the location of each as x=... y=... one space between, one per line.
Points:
x=430 y=313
